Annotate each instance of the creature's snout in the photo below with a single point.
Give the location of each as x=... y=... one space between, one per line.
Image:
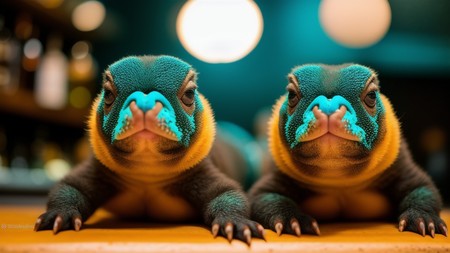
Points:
x=148 y=113
x=329 y=115
x=329 y=106
x=146 y=102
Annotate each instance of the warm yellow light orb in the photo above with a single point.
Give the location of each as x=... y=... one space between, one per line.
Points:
x=88 y=16
x=355 y=23
x=219 y=31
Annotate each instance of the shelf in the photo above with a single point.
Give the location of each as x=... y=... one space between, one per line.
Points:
x=24 y=181
x=23 y=103
x=59 y=18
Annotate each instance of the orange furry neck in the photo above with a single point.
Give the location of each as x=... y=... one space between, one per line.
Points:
x=382 y=156
x=160 y=168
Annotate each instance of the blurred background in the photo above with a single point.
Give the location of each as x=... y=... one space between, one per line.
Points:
x=53 y=52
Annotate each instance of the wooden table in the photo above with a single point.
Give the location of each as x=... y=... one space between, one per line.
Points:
x=104 y=233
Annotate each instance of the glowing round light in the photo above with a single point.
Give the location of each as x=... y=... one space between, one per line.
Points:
x=32 y=49
x=355 y=23
x=219 y=31
x=80 y=97
x=88 y=16
x=56 y=169
x=80 y=49
x=82 y=66
x=82 y=69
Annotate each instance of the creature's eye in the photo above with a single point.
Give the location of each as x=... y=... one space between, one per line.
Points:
x=109 y=97
x=188 y=97
x=293 y=97
x=370 y=99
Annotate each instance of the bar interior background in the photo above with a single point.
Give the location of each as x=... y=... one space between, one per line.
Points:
x=42 y=136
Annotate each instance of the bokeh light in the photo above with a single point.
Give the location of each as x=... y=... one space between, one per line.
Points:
x=355 y=23
x=80 y=97
x=88 y=16
x=32 y=49
x=219 y=31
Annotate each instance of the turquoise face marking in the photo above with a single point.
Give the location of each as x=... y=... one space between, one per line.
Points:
x=329 y=87
x=146 y=103
x=160 y=77
x=328 y=106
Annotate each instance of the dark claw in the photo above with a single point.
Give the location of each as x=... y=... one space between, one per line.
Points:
x=77 y=224
x=279 y=228
x=431 y=229
x=215 y=230
x=443 y=229
x=401 y=225
x=229 y=231
x=57 y=225
x=239 y=228
x=58 y=220
x=422 y=222
x=247 y=235
x=262 y=232
x=37 y=224
x=422 y=228
x=295 y=227
x=294 y=223
x=316 y=227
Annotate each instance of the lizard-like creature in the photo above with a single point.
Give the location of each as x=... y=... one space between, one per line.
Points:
x=339 y=154
x=153 y=139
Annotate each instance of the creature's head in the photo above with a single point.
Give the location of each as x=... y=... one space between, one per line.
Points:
x=331 y=123
x=149 y=113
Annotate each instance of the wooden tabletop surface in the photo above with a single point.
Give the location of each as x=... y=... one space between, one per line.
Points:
x=104 y=233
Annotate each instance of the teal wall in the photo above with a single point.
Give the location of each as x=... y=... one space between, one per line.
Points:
x=292 y=36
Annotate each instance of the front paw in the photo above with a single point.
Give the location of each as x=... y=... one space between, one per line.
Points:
x=422 y=222
x=239 y=228
x=58 y=220
x=294 y=224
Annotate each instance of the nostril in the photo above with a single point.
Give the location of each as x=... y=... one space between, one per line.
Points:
x=133 y=107
x=129 y=102
x=339 y=113
x=158 y=107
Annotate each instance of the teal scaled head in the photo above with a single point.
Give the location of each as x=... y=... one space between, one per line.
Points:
x=328 y=88
x=144 y=82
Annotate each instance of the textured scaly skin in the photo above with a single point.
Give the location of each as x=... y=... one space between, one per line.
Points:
x=152 y=135
x=339 y=154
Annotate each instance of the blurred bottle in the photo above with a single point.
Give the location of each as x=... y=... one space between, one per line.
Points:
x=3 y=155
x=82 y=71
x=9 y=59
x=20 y=156
x=51 y=77
x=28 y=35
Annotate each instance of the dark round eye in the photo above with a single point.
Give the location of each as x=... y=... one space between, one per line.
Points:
x=188 y=97
x=292 y=98
x=370 y=99
x=109 y=97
